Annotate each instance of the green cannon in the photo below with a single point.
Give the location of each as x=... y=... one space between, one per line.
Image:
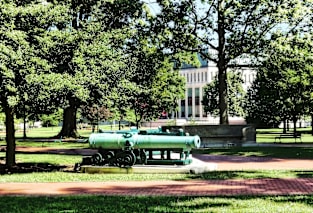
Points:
x=159 y=131
x=131 y=130
x=130 y=148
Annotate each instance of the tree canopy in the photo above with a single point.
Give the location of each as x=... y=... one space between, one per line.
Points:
x=283 y=87
x=225 y=31
x=21 y=23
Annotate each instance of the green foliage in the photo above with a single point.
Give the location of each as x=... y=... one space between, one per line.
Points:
x=282 y=89
x=2 y=118
x=21 y=26
x=94 y=114
x=52 y=119
x=225 y=31
x=236 y=95
x=151 y=85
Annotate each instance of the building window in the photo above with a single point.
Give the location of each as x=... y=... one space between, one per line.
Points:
x=189 y=102
x=197 y=102
x=189 y=96
x=197 y=96
x=182 y=108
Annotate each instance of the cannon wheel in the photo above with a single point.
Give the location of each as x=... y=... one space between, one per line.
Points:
x=126 y=158
x=97 y=159
x=108 y=157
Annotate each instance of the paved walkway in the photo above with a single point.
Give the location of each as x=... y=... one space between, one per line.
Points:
x=168 y=188
x=265 y=186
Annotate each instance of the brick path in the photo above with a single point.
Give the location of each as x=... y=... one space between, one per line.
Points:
x=265 y=186
x=168 y=188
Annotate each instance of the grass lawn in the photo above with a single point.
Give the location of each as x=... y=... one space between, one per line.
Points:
x=268 y=135
x=138 y=204
x=275 y=152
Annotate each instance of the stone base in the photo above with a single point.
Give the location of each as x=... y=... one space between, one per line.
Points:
x=196 y=167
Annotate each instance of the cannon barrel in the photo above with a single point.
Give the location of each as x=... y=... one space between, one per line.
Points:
x=135 y=141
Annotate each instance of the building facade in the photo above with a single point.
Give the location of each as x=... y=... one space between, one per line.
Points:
x=196 y=79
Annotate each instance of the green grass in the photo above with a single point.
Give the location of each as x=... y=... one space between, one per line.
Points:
x=47 y=132
x=275 y=152
x=63 y=145
x=268 y=135
x=138 y=204
x=42 y=177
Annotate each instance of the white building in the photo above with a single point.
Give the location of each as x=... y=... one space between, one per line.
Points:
x=196 y=79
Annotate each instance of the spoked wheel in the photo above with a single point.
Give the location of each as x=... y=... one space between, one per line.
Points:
x=124 y=159
x=97 y=159
x=108 y=157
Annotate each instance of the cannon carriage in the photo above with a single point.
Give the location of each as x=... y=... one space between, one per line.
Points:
x=125 y=149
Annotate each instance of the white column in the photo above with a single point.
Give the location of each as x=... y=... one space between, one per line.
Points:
x=200 y=104
x=186 y=103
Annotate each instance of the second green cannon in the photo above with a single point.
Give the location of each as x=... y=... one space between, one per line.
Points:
x=130 y=148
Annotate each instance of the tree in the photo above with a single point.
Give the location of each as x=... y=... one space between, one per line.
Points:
x=236 y=95
x=85 y=55
x=94 y=114
x=263 y=107
x=52 y=119
x=230 y=30
x=283 y=87
x=152 y=85
x=21 y=22
x=147 y=100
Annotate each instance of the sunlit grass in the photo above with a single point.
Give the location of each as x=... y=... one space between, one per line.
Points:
x=97 y=203
x=63 y=145
x=268 y=135
x=71 y=176
x=275 y=152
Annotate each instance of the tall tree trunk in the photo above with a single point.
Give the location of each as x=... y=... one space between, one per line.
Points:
x=69 y=127
x=285 y=126
x=294 y=119
x=24 y=126
x=223 y=105
x=10 y=136
x=222 y=65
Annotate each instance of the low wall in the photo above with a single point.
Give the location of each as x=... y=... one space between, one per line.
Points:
x=220 y=135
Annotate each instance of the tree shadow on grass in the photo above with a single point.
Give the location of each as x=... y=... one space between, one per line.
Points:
x=30 y=168
x=304 y=174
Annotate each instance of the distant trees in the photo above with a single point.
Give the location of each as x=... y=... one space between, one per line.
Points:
x=94 y=114
x=283 y=87
x=236 y=95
